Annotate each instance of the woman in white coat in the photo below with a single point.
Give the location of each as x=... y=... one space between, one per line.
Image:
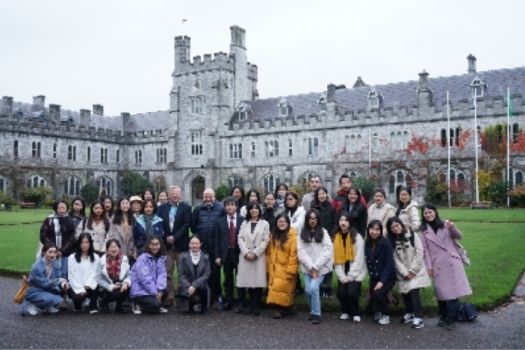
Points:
x=253 y=239
x=407 y=209
x=294 y=210
x=410 y=269
x=113 y=277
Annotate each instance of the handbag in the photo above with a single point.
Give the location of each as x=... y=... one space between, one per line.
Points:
x=462 y=252
x=22 y=291
x=466 y=312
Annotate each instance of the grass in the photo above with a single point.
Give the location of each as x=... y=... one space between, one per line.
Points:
x=495 y=240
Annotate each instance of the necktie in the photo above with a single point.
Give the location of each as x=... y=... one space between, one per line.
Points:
x=173 y=213
x=231 y=233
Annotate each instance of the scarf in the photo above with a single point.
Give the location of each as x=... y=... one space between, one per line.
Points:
x=342 y=252
x=148 y=220
x=113 y=267
x=195 y=257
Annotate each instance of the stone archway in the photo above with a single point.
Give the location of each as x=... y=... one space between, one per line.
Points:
x=197 y=188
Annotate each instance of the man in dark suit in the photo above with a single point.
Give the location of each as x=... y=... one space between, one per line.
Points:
x=176 y=218
x=226 y=247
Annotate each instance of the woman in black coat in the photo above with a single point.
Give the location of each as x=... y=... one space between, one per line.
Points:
x=357 y=210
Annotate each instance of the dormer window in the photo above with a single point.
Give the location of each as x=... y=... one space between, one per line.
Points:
x=243 y=110
x=322 y=102
x=374 y=99
x=478 y=87
x=285 y=108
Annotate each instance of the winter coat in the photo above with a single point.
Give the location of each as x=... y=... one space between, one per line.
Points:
x=148 y=276
x=306 y=203
x=339 y=200
x=357 y=271
x=204 y=222
x=442 y=258
x=316 y=255
x=410 y=216
x=40 y=282
x=67 y=231
x=127 y=243
x=82 y=274
x=180 y=228
x=103 y=279
x=328 y=216
x=282 y=265
x=98 y=233
x=139 y=231
x=252 y=274
x=409 y=258
x=382 y=214
x=297 y=219
x=187 y=275
x=358 y=217
x=222 y=242
x=380 y=261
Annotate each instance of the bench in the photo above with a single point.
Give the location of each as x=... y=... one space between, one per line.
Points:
x=27 y=205
x=482 y=205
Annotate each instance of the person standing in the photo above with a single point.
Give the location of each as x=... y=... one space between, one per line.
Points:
x=254 y=236
x=296 y=214
x=146 y=225
x=237 y=192
x=227 y=249
x=340 y=198
x=381 y=210
x=315 y=183
x=281 y=255
x=444 y=263
x=176 y=218
x=270 y=210
x=251 y=196
x=315 y=252
x=407 y=209
x=78 y=210
x=109 y=206
x=122 y=229
x=97 y=225
x=136 y=205
x=280 y=195
x=357 y=210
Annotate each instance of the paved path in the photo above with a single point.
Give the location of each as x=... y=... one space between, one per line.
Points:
x=502 y=328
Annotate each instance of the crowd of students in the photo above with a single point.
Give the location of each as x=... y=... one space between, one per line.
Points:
x=127 y=255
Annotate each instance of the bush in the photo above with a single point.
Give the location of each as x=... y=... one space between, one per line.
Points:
x=437 y=191
x=37 y=195
x=497 y=192
x=366 y=186
x=134 y=184
x=222 y=192
x=6 y=199
x=517 y=196
x=89 y=192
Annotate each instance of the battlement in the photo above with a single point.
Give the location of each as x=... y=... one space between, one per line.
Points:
x=220 y=60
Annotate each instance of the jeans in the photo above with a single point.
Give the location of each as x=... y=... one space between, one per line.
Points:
x=311 y=288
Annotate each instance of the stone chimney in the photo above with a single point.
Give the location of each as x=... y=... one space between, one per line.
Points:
x=423 y=81
x=126 y=120
x=85 y=117
x=54 y=113
x=39 y=102
x=98 y=109
x=471 y=64
x=330 y=92
x=7 y=105
x=424 y=94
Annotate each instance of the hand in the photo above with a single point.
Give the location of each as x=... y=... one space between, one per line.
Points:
x=170 y=240
x=191 y=290
x=411 y=275
x=449 y=223
x=64 y=285
x=430 y=272
x=124 y=288
x=379 y=285
x=218 y=261
x=117 y=285
x=315 y=273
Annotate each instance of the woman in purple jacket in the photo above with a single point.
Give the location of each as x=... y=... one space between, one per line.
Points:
x=444 y=263
x=148 y=278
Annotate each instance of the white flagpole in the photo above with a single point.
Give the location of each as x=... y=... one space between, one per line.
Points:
x=509 y=179
x=448 y=152
x=476 y=136
x=369 y=152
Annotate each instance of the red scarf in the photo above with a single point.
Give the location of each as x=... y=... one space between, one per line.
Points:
x=113 y=266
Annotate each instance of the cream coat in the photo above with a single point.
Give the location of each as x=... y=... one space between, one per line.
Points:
x=314 y=255
x=104 y=282
x=382 y=214
x=357 y=271
x=410 y=216
x=297 y=219
x=252 y=274
x=410 y=259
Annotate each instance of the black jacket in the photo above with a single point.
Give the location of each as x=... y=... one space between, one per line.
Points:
x=203 y=223
x=380 y=261
x=181 y=226
x=328 y=217
x=221 y=237
x=189 y=277
x=358 y=217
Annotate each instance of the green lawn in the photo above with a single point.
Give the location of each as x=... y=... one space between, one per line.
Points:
x=495 y=240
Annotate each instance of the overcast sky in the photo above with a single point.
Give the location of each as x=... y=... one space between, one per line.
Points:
x=120 y=53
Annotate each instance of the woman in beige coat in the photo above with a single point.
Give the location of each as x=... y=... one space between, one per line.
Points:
x=407 y=209
x=253 y=239
x=381 y=210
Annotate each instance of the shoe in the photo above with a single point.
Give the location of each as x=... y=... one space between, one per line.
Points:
x=163 y=310
x=277 y=315
x=344 y=316
x=93 y=312
x=52 y=310
x=377 y=316
x=407 y=318
x=357 y=319
x=30 y=310
x=384 y=320
x=310 y=317
x=450 y=326
x=136 y=309
x=316 y=319
x=417 y=323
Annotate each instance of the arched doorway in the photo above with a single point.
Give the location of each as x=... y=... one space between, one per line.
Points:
x=197 y=188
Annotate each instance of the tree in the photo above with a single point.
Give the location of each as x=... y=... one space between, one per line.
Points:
x=89 y=192
x=134 y=184
x=365 y=185
x=221 y=192
x=437 y=191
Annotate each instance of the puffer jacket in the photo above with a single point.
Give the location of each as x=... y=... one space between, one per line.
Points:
x=410 y=216
x=148 y=276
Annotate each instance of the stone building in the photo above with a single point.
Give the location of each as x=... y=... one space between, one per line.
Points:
x=217 y=131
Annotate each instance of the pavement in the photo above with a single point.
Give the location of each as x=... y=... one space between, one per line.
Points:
x=503 y=327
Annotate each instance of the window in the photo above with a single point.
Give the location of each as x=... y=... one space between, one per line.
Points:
x=54 y=150
x=104 y=155
x=457 y=136
x=36 y=181
x=270 y=182
x=285 y=107
x=499 y=131
x=197 y=104
x=235 y=180
x=516 y=177
x=374 y=99
x=271 y=148
x=243 y=110
x=252 y=149
x=305 y=178
x=3 y=184
x=72 y=186
x=375 y=141
x=89 y=154
x=477 y=87
x=457 y=177
x=235 y=150
x=162 y=155
x=398 y=178
x=36 y=149
x=117 y=156
x=196 y=142
x=515 y=132
x=71 y=152
x=353 y=174
x=322 y=102
x=443 y=137
x=105 y=185
x=313 y=146
x=15 y=149
x=290 y=147
x=138 y=156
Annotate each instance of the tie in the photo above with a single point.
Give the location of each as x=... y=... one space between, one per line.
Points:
x=173 y=213
x=231 y=233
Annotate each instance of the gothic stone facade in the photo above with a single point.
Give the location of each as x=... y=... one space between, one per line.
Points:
x=217 y=131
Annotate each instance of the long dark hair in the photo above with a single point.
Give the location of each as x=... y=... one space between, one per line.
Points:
x=369 y=240
x=293 y=209
x=316 y=202
x=401 y=205
x=438 y=223
x=279 y=185
x=83 y=211
x=46 y=247
x=150 y=190
x=351 y=229
x=92 y=216
x=57 y=203
x=281 y=236
x=162 y=250
x=317 y=233
x=253 y=190
x=357 y=192
x=251 y=206
x=112 y=211
x=119 y=214
x=392 y=237
x=240 y=201
x=78 y=249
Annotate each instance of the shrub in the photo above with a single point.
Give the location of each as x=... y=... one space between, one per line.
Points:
x=517 y=196
x=6 y=199
x=437 y=191
x=366 y=186
x=89 y=192
x=37 y=195
x=221 y=192
x=134 y=184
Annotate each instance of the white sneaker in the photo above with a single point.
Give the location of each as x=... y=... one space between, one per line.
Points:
x=163 y=310
x=384 y=320
x=31 y=310
x=417 y=323
x=357 y=319
x=52 y=310
x=136 y=309
x=407 y=318
x=93 y=312
x=344 y=316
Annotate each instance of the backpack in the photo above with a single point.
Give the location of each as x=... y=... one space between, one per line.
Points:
x=466 y=312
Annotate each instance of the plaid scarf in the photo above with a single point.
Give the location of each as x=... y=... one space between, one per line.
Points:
x=113 y=266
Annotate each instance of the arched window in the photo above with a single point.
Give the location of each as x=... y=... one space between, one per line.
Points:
x=305 y=178
x=443 y=138
x=72 y=186
x=516 y=177
x=159 y=183
x=270 y=182
x=399 y=178
x=271 y=148
x=353 y=174
x=235 y=180
x=457 y=177
x=3 y=184
x=285 y=108
x=515 y=132
x=391 y=184
x=105 y=185
x=36 y=181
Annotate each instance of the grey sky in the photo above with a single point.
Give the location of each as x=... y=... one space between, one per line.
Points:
x=120 y=53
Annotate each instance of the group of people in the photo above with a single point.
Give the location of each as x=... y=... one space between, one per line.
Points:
x=260 y=245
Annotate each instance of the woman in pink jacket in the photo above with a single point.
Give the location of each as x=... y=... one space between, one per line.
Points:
x=444 y=263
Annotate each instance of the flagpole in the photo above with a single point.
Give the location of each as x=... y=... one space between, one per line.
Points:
x=509 y=179
x=448 y=151
x=369 y=152
x=476 y=136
